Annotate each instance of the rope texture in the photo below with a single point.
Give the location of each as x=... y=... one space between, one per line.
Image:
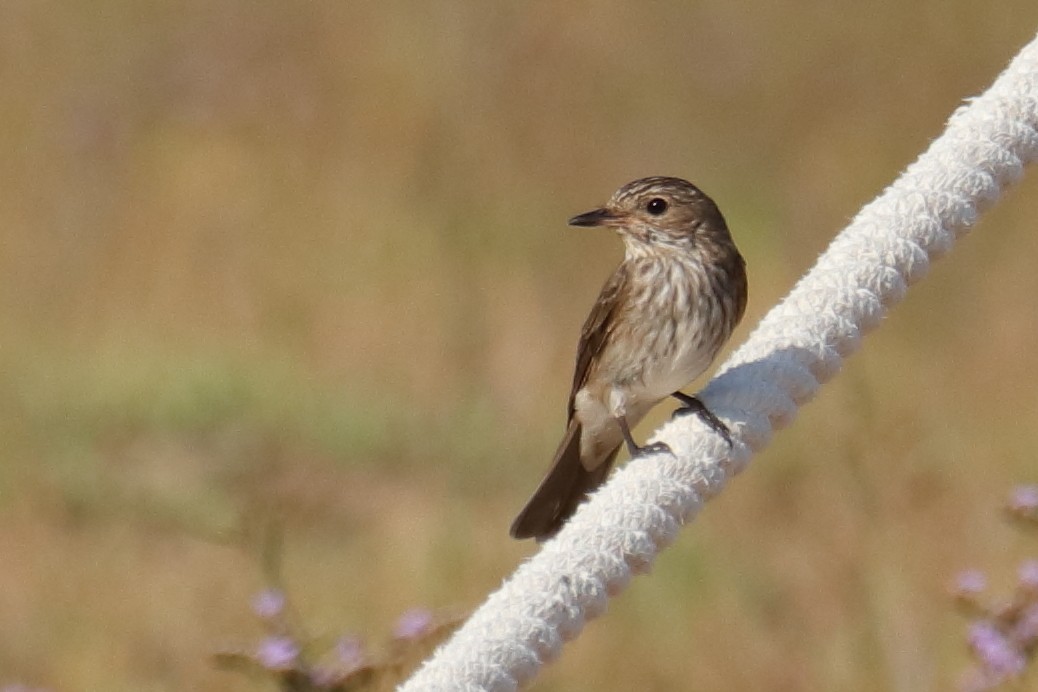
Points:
x=800 y=344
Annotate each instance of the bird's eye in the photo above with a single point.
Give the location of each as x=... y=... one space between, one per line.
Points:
x=656 y=206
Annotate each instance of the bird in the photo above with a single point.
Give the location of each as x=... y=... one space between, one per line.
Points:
x=658 y=323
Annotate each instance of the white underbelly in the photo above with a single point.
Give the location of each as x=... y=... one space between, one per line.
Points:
x=675 y=373
x=634 y=399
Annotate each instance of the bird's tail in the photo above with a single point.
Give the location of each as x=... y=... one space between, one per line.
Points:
x=564 y=487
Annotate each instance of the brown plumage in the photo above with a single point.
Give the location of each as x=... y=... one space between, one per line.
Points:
x=658 y=323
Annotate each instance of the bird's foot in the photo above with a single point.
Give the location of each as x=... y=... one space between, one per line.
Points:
x=694 y=405
x=633 y=449
x=653 y=448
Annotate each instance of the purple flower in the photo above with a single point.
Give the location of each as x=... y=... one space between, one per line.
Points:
x=1028 y=574
x=350 y=652
x=995 y=652
x=970 y=582
x=1025 y=631
x=277 y=653
x=1024 y=498
x=325 y=677
x=269 y=603
x=413 y=624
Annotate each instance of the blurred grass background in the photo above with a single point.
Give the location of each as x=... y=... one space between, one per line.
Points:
x=307 y=264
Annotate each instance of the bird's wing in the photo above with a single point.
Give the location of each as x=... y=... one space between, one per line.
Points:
x=596 y=331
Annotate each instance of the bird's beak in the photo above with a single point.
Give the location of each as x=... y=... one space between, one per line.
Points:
x=597 y=217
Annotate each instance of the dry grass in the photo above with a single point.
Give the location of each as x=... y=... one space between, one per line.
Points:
x=307 y=263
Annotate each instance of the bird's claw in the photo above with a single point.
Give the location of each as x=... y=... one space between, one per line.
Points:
x=694 y=405
x=653 y=448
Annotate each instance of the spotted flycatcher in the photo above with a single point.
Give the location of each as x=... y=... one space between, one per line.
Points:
x=658 y=323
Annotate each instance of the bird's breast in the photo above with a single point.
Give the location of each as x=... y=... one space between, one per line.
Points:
x=679 y=329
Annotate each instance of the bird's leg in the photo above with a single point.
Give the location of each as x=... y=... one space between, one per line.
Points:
x=694 y=405
x=634 y=449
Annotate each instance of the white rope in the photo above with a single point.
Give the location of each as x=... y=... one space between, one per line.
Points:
x=799 y=344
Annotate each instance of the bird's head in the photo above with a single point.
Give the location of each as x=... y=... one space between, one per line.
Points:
x=654 y=213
